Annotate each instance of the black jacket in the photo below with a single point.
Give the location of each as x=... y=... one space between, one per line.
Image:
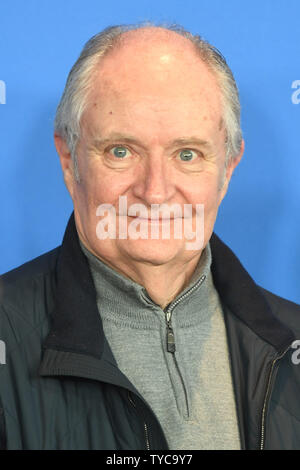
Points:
x=60 y=387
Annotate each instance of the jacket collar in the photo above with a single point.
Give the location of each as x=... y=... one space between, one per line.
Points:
x=76 y=344
x=77 y=326
x=76 y=323
x=245 y=298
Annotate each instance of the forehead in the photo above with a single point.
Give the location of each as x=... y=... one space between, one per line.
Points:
x=159 y=75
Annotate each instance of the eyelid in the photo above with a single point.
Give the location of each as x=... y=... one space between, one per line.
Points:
x=189 y=149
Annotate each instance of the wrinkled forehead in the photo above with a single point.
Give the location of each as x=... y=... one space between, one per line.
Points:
x=154 y=61
x=166 y=77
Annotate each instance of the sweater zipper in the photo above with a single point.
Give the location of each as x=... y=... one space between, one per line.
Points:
x=267 y=396
x=145 y=425
x=171 y=347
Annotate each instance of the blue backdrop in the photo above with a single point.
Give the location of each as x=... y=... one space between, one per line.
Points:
x=259 y=218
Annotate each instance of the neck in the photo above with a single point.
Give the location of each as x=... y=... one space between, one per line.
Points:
x=162 y=282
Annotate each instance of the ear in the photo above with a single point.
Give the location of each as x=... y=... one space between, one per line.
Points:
x=66 y=162
x=230 y=169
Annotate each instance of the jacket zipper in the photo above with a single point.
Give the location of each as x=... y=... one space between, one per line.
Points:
x=145 y=425
x=171 y=347
x=267 y=396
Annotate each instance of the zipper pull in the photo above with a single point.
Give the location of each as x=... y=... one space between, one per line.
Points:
x=170 y=340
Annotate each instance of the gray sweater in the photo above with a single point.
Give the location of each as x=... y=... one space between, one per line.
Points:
x=190 y=390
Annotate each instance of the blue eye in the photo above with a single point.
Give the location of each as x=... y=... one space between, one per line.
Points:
x=186 y=155
x=120 y=152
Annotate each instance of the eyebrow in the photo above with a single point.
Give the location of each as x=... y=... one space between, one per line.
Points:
x=184 y=141
x=98 y=142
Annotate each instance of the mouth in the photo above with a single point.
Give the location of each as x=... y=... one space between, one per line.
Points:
x=154 y=219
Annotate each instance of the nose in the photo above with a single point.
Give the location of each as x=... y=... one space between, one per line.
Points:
x=154 y=183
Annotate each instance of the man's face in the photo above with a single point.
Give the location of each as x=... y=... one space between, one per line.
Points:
x=152 y=132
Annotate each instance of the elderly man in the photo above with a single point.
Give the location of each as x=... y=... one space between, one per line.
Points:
x=141 y=339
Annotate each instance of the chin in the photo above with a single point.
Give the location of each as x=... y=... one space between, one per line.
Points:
x=155 y=252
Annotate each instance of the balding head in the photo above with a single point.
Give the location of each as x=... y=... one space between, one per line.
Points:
x=154 y=38
x=144 y=41
x=160 y=54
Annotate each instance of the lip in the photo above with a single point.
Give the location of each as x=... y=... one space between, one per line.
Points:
x=154 y=220
x=149 y=219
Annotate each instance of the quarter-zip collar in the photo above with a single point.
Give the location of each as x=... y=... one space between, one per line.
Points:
x=128 y=302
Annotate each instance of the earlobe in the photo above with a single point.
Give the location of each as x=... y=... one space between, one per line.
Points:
x=63 y=152
x=230 y=169
x=234 y=163
x=239 y=157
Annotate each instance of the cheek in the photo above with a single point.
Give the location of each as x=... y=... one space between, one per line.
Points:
x=86 y=196
x=91 y=189
x=207 y=192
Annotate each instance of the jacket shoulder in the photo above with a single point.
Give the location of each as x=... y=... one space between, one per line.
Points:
x=27 y=292
x=286 y=311
x=33 y=268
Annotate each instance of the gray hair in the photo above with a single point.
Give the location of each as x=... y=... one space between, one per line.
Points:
x=79 y=82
